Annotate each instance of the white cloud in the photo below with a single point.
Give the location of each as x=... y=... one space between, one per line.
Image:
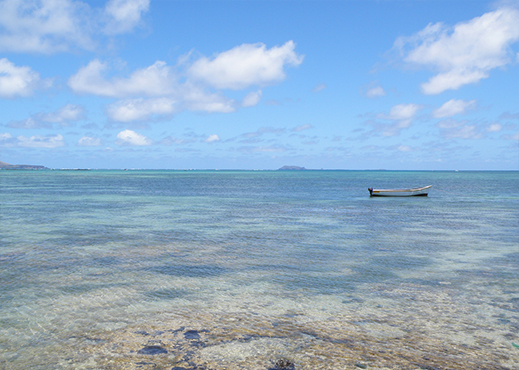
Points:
x=158 y=81
x=465 y=53
x=7 y=141
x=161 y=90
x=212 y=138
x=89 y=141
x=124 y=14
x=402 y=112
x=18 y=81
x=319 y=87
x=45 y=26
x=195 y=98
x=404 y=148
x=453 y=107
x=251 y=99
x=132 y=138
x=49 y=141
x=495 y=127
x=155 y=80
x=67 y=113
x=64 y=115
x=50 y=26
x=300 y=128
x=140 y=109
x=452 y=129
x=29 y=123
x=375 y=92
x=400 y=115
x=246 y=65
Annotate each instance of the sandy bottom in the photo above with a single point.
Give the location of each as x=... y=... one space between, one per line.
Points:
x=434 y=332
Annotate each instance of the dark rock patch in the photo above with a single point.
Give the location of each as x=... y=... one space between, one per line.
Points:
x=283 y=364
x=152 y=350
x=192 y=334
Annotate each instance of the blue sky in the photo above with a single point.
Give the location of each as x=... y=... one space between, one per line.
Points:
x=411 y=85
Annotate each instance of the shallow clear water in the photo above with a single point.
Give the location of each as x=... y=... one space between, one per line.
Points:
x=237 y=270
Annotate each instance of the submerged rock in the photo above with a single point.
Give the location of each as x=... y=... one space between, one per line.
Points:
x=284 y=364
x=152 y=350
x=192 y=334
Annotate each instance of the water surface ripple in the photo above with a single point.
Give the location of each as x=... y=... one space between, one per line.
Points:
x=258 y=270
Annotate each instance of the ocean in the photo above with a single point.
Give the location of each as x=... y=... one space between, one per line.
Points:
x=204 y=270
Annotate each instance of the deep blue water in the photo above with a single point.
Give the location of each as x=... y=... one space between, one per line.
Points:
x=107 y=253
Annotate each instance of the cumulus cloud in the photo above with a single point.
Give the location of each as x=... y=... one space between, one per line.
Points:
x=401 y=112
x=246 y=65
x=162 y=90
x=155 y=80
x=124 y=15
x=465 y=53
x=251 y=99
x=29 y=123
x=132 y=138
x=45 y=26
x=18 y=81
x=7 y=140
x=195 y=98
x=140 y=109
x=161 y=93
x=494 y=127
x=404 y=148
x=67 y=113
x=212 y=138
x=89 y=141
x=453 y=107
x=375 y=92
x=50 y=26
x=400 y=117
x=37 y=141
x=452 y=129
x=63 y=116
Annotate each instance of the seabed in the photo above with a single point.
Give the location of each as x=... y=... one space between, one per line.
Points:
x=436 y=333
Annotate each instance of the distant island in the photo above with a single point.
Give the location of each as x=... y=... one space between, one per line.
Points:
x=7 y=166
x=291 y=168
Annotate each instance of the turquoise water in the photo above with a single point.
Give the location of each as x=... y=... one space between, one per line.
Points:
x=239 y=269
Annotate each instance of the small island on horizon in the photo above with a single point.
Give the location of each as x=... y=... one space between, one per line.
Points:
x=291 y=168
x=7 y=166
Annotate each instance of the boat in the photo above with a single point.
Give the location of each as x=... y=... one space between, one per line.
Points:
x=423 y=191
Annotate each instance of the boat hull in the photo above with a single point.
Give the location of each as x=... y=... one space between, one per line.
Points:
x=415 y=192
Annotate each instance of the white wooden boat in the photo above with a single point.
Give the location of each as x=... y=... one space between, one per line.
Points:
x=399 y=192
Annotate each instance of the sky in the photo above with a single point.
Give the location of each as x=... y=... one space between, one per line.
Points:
x=259 y=84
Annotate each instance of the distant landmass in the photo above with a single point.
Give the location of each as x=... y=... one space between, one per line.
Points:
x=291 y=168
x=7 y=166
